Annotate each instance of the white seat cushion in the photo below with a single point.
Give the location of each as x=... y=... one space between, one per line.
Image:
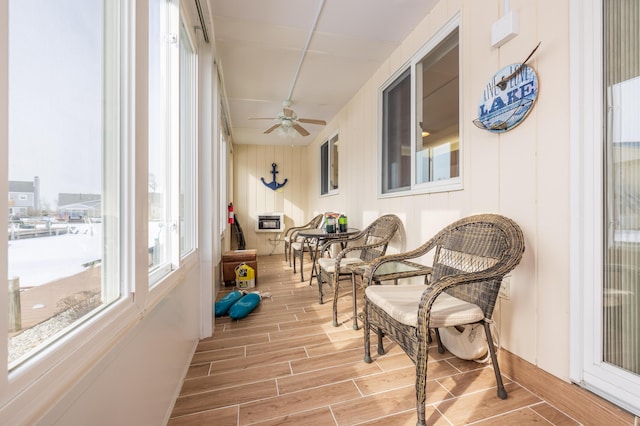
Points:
x=297 y=246
x=329 y=265
x=401 y=303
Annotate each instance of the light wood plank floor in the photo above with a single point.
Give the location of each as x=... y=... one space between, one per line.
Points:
x=285 y=364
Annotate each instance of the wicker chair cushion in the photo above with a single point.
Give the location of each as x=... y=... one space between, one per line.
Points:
x=328 y=264
x=298 y=246
x=401 y=303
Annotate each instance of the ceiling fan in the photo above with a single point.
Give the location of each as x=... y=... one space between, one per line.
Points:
x=289 y=122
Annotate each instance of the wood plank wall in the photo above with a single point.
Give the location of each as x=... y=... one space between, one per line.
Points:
x=251 y=196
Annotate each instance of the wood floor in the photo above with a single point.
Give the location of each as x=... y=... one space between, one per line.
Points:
x=285 y=364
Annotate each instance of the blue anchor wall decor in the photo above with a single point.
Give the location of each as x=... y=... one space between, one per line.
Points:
x=273 y=184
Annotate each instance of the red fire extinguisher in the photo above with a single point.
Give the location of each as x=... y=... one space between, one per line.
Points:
x=230 y=209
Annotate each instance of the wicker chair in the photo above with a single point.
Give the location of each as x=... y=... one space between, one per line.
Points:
x=291 y=235
x=471 y=257
x=370 y=244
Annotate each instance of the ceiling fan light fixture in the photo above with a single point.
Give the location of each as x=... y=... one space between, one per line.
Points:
x=286 y=131
x=425 y=133
x=288 y=122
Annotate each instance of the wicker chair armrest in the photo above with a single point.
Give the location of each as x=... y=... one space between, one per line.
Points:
x=348 y=250
x=294 y=229
x=496 y=272
x=311 y=224
x=376 y=263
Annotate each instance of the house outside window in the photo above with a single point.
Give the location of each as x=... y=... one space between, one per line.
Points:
x=424 y=97
x=329 y=166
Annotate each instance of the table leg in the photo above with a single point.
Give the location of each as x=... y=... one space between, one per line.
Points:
x=355 y=303
x=314 y=258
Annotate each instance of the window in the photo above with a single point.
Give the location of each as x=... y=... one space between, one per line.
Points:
x=71 y=159
x=329 y=166
x=438 y=113
x=424 y=97
x=74 y=153
x=163 y=129
x=396 y=134
x=172 y=140
x=188 y=138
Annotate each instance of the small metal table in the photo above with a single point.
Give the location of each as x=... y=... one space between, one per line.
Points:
x=392 y=270
x=320 y=236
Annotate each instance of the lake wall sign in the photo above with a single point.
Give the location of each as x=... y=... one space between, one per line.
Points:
x=508 y=97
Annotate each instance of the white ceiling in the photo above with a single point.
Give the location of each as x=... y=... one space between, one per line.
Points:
x=259 y=45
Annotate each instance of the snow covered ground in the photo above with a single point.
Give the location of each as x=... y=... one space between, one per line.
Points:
x=39 y=260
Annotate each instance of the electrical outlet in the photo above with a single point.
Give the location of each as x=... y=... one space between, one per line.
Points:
x=505 y=287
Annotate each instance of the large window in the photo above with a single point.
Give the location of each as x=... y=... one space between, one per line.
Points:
x=420 y=144
x=329 y=166
x=64 y=168
x=70 y=162
x=98 y=151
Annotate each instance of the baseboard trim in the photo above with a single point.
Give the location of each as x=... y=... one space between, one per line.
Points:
x=584 y=406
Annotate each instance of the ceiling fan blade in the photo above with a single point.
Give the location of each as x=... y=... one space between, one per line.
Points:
x=272 y=128
x=301 y=130
x=262 y=118
x=287 y=112
x=312 y=121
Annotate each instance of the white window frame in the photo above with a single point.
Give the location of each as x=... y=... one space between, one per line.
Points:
x=188 y=233
x=330 y=142
x=452 y=184
x=222 y=181
x=586 y=200
x=171 y=84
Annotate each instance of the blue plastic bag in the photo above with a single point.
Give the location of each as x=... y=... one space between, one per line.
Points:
x=245 y=305
x=222 y=306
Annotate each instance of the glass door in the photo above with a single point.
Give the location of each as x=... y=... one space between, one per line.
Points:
x=621 y=248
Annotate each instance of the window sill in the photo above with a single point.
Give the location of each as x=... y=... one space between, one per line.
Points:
x=431 y=188
x=36 y=383
x=171 y=280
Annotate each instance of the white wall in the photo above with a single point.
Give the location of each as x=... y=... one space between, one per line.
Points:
x=522 y=173
x=137 y=382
